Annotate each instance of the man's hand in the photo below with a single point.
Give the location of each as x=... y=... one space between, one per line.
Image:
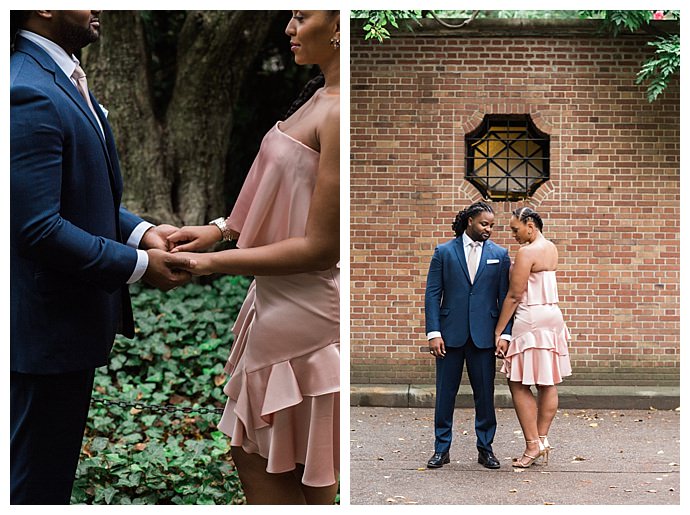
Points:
x=165 y=270
x=157 y=237
x=437 y=347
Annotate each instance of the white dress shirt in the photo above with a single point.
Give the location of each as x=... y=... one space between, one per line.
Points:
x=67 y=64
x=466 y=246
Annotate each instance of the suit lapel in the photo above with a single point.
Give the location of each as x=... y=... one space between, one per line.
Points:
x=460 y=254
x=70 y=89
x=66 y=85
x=61 y=80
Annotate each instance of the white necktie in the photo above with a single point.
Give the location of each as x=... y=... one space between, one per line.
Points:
x=473 y=260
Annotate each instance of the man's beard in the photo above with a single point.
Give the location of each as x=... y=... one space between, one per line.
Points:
x=79 y=37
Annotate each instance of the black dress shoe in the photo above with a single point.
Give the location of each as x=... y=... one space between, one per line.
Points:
x=438 y=460
x=488 y=459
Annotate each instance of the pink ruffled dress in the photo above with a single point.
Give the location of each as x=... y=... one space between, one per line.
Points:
x=283 y=393
x=538 y=351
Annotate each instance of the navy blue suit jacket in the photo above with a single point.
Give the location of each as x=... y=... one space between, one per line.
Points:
x=456 y=307
x=69 y=265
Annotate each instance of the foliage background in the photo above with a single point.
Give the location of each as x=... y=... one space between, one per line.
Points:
x=133 y=456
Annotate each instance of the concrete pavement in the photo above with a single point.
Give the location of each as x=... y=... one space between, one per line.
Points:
x=604 y=454
x=422 y=396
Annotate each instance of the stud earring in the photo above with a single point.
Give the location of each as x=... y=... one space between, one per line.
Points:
x=335 y=43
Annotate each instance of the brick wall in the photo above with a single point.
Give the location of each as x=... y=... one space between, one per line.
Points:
x=612 y=205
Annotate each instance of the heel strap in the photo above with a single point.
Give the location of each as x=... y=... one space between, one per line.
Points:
x=532 y=441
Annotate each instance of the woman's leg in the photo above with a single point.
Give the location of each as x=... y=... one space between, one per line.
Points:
x=526 y=410
x=547 y=405
x=320 y=495
x=316 y=495
x=261 y=487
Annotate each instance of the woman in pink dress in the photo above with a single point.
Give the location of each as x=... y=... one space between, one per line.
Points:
x=538 y=351
x=282 y=412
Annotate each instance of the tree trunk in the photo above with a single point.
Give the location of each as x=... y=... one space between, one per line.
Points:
x=119 y=63
x=174 y=169
x=215 y=49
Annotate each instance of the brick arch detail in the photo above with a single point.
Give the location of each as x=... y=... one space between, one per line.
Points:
x=546 y=191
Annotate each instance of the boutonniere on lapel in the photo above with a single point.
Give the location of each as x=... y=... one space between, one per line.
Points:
x=105 y=111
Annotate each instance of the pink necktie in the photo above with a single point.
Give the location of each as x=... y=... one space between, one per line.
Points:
x=80 y=77
x=473 y=260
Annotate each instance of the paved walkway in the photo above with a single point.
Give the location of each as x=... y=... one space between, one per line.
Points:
x=601 y=456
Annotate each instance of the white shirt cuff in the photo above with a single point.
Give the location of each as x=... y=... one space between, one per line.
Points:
x=138 y=233
x=506 y=337
x=140 y=267
x=433 y=334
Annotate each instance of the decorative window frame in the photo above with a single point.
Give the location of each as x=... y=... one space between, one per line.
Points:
x=514 y=161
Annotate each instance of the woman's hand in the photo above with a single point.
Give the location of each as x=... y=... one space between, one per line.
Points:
x=194 y=238
x=501 y=347
x=199 y=264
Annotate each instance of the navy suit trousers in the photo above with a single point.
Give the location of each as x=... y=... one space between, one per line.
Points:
x=481 y=370
x=47 y=420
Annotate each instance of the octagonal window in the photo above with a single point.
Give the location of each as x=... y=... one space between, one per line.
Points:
x=507 y=157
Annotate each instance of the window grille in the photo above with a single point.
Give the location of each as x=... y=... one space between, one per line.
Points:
x=507 y=157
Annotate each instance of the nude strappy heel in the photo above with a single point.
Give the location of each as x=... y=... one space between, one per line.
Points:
x=547 y=448
x=518 y=463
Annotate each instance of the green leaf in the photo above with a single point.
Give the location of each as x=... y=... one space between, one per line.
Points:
x=99 y=443
x=105 y=494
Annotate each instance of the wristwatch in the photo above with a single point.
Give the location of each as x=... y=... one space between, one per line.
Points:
x=224 y=229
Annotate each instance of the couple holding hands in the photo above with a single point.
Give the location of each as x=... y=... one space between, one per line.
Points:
x=74 y=250
x=478 y=307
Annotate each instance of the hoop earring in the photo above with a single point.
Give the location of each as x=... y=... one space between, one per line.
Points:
x=335 y=43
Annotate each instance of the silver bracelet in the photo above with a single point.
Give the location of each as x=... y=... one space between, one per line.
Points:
x=225 y=231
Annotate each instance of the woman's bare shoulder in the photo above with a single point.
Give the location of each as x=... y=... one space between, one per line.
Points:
x=330 y=117
x=332 y=108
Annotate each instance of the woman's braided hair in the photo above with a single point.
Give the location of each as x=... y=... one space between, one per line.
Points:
x=527 y=213
x=461 y=219
x=307 y=92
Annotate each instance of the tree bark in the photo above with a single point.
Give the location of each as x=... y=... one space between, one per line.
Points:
x=119 y=62
x=174 y=168
x=215 y=49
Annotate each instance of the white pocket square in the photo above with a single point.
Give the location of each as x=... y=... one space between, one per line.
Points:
x=105 y=111
x=492 y=261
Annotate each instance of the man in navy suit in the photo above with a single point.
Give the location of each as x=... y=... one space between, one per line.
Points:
x=467 y=282
x=73 y=250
